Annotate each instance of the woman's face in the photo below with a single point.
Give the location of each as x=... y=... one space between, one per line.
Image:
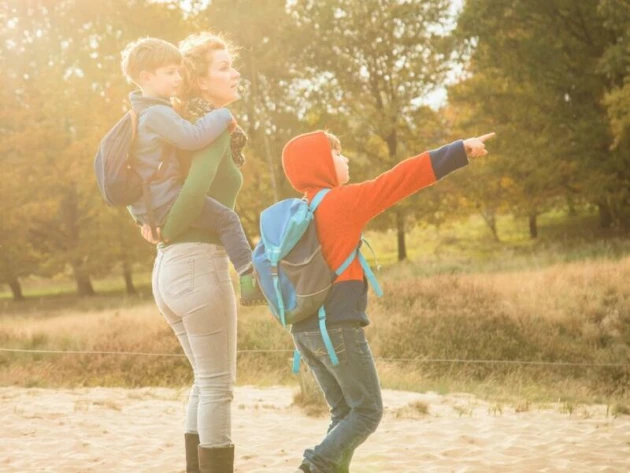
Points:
x=220 y=86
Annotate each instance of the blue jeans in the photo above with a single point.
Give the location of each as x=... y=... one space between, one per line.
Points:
x=351 y=390
x=220 y=220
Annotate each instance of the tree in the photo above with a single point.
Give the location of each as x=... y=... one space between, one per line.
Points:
x=527 y=169
x=615 y=66
x=375 y=60
x=544 y=51
x=72 y=91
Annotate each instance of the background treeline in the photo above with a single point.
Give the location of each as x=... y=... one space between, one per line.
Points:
x=551 y=77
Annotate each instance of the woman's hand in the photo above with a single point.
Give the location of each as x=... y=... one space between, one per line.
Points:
x=145 y=230
x=475 y=147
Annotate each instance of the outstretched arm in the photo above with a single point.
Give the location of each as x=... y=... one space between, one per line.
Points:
x=408 y=177
x=181 y=133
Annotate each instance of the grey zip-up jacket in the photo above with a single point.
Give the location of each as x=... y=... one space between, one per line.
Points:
x=161 y=130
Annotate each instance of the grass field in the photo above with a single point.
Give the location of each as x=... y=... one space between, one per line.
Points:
x=461 y=296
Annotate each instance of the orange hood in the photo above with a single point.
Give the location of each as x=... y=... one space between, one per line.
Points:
x=308 y=163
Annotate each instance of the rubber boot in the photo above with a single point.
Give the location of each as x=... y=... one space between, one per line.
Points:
x=251 y=294
x=191 y=443
x=216 y=460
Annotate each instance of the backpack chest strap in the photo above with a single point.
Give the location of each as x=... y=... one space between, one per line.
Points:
x=369 y=274
x=321 y=315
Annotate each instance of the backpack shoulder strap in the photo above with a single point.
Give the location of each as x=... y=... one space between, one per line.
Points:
x=146 y=192
x=347 y=262
x=318 y=199
x=134 y=124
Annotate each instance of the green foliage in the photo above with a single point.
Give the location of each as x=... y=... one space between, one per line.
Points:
x=68 y=94
x=532 y=71
x=550 y=77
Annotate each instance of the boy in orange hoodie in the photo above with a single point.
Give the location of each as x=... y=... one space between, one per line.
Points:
x=312 y=162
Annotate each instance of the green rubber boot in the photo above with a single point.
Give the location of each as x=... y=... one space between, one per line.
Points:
x=250 y=290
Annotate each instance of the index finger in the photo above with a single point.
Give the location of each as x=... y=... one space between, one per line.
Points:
x=487 y=136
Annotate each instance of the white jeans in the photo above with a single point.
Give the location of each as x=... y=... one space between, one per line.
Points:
x=193 y=290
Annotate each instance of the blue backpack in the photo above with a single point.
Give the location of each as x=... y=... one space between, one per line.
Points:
x=291 y=270
x=119 y=183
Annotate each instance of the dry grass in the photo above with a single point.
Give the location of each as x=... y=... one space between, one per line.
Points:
x=619 y=409
x=309 y=397
x=576 y=312
x=413 y=410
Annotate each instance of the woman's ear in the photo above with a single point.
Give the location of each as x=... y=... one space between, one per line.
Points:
x=202 y=83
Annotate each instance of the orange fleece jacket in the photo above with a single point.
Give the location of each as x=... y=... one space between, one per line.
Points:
x=344 y=212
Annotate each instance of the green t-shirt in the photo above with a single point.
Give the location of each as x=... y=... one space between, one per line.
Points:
x=212 y=173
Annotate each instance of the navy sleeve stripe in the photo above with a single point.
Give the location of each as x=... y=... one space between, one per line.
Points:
x=448 y=158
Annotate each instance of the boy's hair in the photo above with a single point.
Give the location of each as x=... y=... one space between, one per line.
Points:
x=334 y=142
x=148 y=54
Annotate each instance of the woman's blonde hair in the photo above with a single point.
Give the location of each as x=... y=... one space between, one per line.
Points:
x=197 y=50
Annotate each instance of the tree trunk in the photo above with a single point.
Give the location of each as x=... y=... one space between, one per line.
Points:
x=571 y=205
x=491 y=221
x=128 y=275
x=605 y=215
x=82 y=279
x=252 y=118
x=70 y=223
x=272 y=171
x=16 y=289
x=392 y=146
x=533 y=227
x=400 y=225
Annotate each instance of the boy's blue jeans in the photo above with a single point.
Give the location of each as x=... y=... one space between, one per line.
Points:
x=351 y=389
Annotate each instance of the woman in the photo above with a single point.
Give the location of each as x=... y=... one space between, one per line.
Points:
x=191 y=281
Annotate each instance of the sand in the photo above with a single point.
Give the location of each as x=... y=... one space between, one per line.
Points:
x=141 y=430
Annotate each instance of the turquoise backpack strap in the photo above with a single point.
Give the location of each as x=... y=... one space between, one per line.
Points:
x=367 y=243
x=347 y=262
x=276 y=286
x=275 y=256
x=369 y=274
x=318 y=199
x=322 y=312
x=296 y=361
x=327 y=343
x=296 y=354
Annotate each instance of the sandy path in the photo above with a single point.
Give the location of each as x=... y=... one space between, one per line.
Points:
x=121 y=430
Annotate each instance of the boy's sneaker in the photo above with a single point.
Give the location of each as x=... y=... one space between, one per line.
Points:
x=250 y=290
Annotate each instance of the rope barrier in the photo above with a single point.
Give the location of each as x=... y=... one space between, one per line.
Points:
x=412 y=360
